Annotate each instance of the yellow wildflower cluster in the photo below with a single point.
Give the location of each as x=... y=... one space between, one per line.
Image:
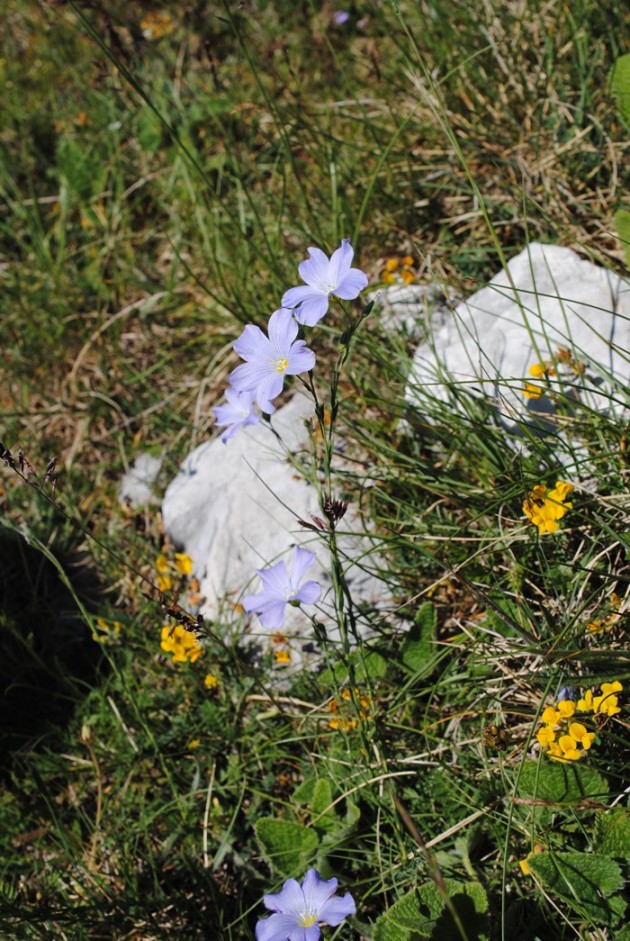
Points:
x=343 y=719
x=567 y=740
x=544 y=508
x=537 y=371
x=181 y=643
x=182 y=564
x=106 y=632
x=211 y=681
x=605 y=704
x=398 y=270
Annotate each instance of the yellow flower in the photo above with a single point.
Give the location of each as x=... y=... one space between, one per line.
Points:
x=211 y=681
x=537 y=370
x=408 y=277
x=193 y=743
x=608 y=702
x=182 y=644
x=566 y=708
x=525 y=867
x=578 y=732
x=391 y=265
x=586 y=704
x=545 y=509
x=164 y=583
x=162 y=564
x=550 y=716
x=183 y=563
x=407 y=261
x=282 y=656
x=546 y=736
x=532 y=391
x=389 y=278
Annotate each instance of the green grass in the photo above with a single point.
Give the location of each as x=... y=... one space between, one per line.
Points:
x=157 y=195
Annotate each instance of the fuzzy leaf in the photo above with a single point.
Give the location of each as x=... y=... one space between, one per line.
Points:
x=612 y=834
x=422 y=914
x=560 y=783
x=288 y=847
x=585 y=882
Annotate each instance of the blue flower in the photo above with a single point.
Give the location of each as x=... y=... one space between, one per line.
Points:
x=268 y=359
x=324 y=277
x=300 y=909
x=238 y=412
x=281 y=589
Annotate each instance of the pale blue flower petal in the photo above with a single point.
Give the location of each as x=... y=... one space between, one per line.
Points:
x=340 y=262
x=236 y=413
x=291 y=897
x=309 y=593
x=266 y=390
x=311 y=310
x=314 y=270
x=272 y=618
x=282 y=331
x=277 y=927
x=302 y=560
x=251 y=343
x=295 y=296
x=317 y=890
x=275 y=578
x=301 y=359
x=336 y=909
x=351 y=285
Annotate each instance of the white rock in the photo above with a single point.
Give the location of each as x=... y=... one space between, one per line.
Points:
x=551 y=300
x=234 y=508
x=135 y=486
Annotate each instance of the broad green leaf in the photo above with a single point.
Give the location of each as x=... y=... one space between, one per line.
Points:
x=559 y=782
x=620 y=86
x=422 y=913
x=288 y=847
x=612 y=834
x=419 y=652
x=585 y=881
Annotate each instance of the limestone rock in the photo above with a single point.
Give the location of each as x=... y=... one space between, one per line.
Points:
x=549 y=307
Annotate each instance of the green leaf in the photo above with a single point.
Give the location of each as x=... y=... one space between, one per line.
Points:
x=419 y=652
x=612 y=834
x=584 y=881
x=622 y=224
x=288 y=847
x=620 y=86
x=560 y=783
x=422 y=913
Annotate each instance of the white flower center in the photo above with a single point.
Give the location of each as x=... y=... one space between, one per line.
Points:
x=307 y=919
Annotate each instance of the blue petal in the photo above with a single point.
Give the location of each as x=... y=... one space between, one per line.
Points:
x=314 y=270
x=309 y=593
x=295 y=296
x=336 y=909
x=277 y=927
x=351 y=285
x=340 y=262
x=312 y=309
x=282 y=330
